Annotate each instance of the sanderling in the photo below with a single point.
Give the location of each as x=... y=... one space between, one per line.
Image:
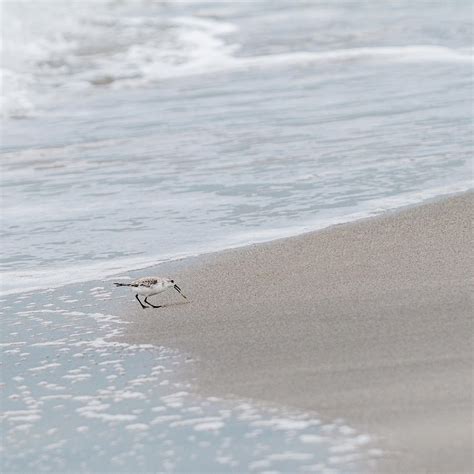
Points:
x=149 y=286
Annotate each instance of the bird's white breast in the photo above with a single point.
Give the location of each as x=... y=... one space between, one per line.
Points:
x=150 y=290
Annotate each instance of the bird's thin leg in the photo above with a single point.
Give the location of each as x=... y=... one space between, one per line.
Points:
x=152 y=305
x=141 y=304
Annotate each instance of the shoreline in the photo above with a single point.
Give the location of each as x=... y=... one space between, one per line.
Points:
x=91 y=270
x=348 y=321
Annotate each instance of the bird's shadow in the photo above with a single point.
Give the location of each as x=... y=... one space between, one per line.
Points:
x=174 y=304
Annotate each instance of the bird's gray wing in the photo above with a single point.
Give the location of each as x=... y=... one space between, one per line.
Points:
x=146 y=281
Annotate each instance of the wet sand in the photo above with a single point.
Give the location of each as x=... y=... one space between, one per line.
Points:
x=369 y=321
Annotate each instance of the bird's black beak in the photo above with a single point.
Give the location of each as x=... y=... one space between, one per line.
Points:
x=178 y=289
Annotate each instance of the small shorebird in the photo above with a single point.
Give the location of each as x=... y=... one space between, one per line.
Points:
x=149 y=286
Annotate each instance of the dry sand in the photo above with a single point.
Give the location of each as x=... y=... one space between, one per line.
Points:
x=369 y=321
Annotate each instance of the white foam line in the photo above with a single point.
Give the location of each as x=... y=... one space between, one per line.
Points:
x=418 y=53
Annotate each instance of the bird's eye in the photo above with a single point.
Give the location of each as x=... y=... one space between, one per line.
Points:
x=172 y=281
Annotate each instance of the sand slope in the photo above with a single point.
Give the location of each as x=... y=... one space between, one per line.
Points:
x=370 y=321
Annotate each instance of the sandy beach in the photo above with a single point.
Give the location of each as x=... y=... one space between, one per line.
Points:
x=303 y=171
x=369 y=321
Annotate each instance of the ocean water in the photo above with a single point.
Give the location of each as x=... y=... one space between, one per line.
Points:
x=137 y=132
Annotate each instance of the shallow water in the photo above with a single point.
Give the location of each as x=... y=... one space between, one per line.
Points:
x=75 y=398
